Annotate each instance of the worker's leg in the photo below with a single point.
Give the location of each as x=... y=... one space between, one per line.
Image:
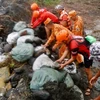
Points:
x=47 y=32
x=80 y=58
x=88 y=64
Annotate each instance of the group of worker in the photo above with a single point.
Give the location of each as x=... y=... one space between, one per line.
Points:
x=65 y=34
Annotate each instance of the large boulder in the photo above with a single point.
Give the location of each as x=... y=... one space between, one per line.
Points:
x=22 y=52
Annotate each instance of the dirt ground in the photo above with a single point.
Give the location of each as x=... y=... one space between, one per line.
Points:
x=88 y=9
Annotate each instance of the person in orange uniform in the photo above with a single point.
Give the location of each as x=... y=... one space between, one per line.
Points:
x=63 y=17
x=55 y=29
x=78 y=26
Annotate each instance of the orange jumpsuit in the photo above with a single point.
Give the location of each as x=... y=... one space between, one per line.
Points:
x=64 y=15
x=56 y=29
x=78 y=27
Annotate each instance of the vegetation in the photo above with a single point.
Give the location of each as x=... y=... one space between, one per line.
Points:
x=48 y=2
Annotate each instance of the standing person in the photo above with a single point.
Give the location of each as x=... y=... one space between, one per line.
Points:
x=77 y=45
x=63 y=16
x=95 y=55
x=77 y=26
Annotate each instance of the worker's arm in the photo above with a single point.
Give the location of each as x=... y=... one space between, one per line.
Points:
x=94 y=79
x=57 y=44
x=33 y=20
x=50 y=40
x=68 y=62
x=63 y=56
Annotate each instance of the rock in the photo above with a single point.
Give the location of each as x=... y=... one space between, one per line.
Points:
x=2 y=44
x=78 y=93
x=37 y=40
x=41 y=61
x=76 y=78
x=31 y=61
x=38 y=51
x=1 y=51
x=8 y=24
x=7 y=48
x=24 y=54
x=12 y=37
x=42 y=94
x=68 y=81
x=25 y=39
x=20 y=26
x=21 y=92
x=19 y=70
x=4 y=74
x=2 y=10
x=60 y=92
x=29 y=31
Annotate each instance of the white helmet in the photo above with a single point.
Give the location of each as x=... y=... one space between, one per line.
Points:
x=59 y=7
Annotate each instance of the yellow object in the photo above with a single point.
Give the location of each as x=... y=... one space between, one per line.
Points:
x=47 y=21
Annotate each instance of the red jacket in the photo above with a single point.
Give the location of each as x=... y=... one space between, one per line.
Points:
x=76 y=47
x=40 y=11
x=43 y=17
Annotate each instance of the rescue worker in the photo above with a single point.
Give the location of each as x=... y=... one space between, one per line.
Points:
x=77 y=26
x=55 y=29
x=34 y=7
x=40 y=18
x=63 y=17
x=77 y=45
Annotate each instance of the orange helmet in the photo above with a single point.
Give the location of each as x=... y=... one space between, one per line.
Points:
x=36 y=14
x=34 y=6
x=72 y=13
x=62 y=35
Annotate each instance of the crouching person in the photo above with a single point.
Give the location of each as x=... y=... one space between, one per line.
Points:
x=77 y=45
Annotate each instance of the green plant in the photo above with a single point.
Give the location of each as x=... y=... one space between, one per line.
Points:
x=48 y=2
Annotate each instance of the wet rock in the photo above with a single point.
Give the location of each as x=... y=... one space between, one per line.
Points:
x=20 y=26
x=37 y=40
x=42 y=94
x=31 y=61
x=19 y=70
x=76 y=78
x=2 y=44
x=2 y=10
x=11 y=12
x=60 y=92
x=7 y=48
x=1 y=51
x=8 y=24
x=21 y=92
x=38 y=51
